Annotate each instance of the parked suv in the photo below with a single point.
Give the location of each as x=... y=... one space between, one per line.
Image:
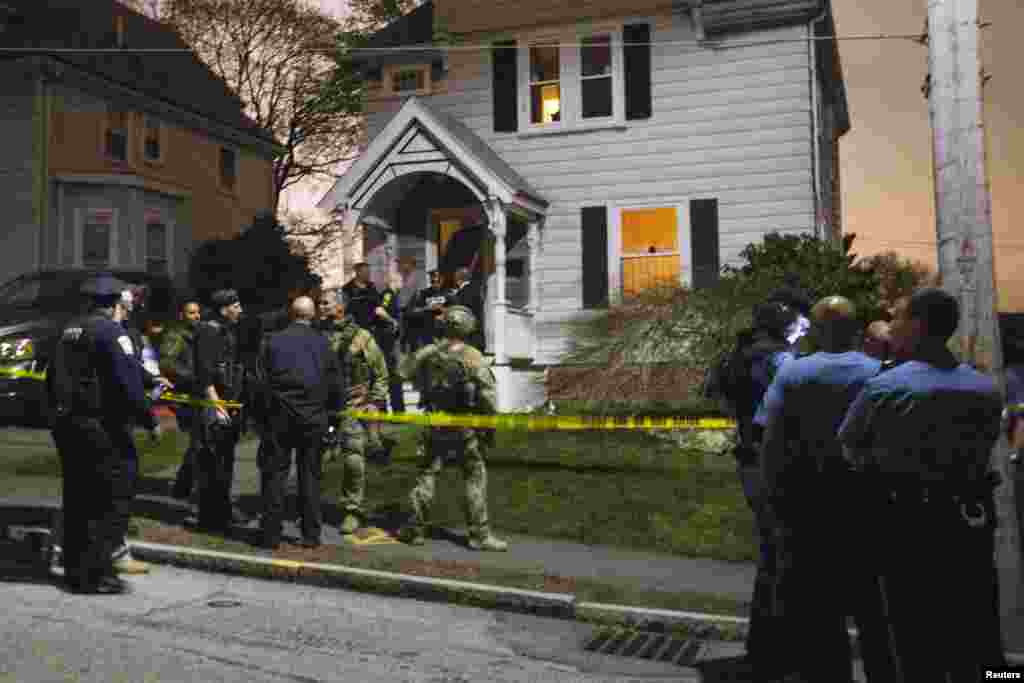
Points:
x=34 y=309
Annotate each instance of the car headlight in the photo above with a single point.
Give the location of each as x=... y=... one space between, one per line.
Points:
x=15 y=350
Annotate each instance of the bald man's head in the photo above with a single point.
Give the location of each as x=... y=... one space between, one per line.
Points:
x=303 y=309
x=834 y=324
x=876 y=340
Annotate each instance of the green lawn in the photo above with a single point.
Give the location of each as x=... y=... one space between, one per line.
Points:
x=42 y=461
x=626 y=489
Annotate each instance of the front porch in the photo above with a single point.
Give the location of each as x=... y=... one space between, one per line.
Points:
x=429 y=188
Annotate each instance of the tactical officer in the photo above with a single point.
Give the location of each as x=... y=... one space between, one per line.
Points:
x=454 y=377
x=95 y=388
x=177 y=362
x=760 y=352
x=924 y=431
x=303 y=380
x=365 y=373
x=813 y=496
x=219 y=377
x=386 y=331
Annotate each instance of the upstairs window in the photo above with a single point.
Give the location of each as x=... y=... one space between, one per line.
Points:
x=596 y=77
x=228 y=168
x=545 y=84
x=156 y=246
x=408 y=81
x=116 y=139
x=152 y=150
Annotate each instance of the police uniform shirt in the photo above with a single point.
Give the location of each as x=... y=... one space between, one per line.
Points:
x=805 y=404
x=928 y=423
x=122 y=393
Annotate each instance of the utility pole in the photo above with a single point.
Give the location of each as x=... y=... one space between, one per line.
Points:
x=966 y=255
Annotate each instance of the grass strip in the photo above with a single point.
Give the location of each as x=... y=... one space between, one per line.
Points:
x=585 y=590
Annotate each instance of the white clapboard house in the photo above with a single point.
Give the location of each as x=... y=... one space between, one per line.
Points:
x=601 y=146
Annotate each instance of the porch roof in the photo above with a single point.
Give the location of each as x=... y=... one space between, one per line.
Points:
x=421 y=138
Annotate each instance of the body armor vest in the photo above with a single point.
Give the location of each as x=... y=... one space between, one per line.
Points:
x=73 y=378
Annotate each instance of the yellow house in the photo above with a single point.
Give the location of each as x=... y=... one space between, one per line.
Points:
x=115 y=156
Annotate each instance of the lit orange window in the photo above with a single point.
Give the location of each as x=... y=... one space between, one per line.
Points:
x=650 y=249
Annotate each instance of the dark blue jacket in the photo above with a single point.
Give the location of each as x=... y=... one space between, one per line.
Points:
x=303 y=377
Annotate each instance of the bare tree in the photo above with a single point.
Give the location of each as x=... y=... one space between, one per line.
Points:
x=284 y=59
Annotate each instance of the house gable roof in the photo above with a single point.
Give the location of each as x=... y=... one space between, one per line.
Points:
x=181 y=79
x=420 y=138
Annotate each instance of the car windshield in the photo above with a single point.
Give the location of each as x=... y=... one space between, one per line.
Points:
x=51 y=291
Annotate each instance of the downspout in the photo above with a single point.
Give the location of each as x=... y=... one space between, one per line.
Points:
x=812 y=49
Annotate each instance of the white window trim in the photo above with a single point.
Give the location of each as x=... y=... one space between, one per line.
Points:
x=571 y=91
x=168 y=224
x=683 y=236
x=80 y=220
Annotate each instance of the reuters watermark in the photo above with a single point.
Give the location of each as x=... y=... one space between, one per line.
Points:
x=997 y=675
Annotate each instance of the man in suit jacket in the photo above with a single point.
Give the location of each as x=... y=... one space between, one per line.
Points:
x=303 y=381
x=469 y=293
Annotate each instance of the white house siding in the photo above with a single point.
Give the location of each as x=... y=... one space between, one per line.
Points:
x=732 y=124
x=18 y=169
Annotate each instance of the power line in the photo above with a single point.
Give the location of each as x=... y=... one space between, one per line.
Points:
x=916 y=37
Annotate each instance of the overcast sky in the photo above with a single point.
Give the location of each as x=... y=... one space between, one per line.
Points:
x=888 y=195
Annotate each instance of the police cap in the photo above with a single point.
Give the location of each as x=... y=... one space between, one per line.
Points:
x=224 y=297
x=104 y=288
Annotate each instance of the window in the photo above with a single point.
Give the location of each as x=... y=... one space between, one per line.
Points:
x=545 y=89
x=97 y=235
x=116 y=139
x=228 y=168
x=650 y=249
x=151 y=134
x=408 y=80
x=156 y=247
x=596 y=78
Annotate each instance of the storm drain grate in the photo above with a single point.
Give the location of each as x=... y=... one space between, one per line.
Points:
x=656 y=647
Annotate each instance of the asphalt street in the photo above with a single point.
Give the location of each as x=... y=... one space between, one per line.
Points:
x=180 y=625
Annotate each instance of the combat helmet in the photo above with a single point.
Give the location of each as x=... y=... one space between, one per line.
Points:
x=458 y=322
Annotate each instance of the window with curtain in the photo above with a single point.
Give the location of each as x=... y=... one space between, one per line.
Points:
x=545 y=88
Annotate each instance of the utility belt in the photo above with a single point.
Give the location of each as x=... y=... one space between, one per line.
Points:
x=973 y=503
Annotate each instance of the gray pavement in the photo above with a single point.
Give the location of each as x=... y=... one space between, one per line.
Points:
x=180 y=625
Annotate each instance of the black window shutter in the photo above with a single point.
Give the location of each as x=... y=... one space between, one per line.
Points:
x=506 y=96
x=594 y=224
x=704 y=251
x=637 y=52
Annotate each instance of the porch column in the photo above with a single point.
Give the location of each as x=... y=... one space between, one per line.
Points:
x=500 y=305
x=533 y=249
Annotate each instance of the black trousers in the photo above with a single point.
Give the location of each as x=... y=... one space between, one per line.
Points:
x=941 y=588
x=825 y=574
x=215 y=461
x=99 y=468
x=275 y=461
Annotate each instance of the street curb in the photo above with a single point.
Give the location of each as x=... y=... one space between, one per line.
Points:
x=537 y=603
x=368 y=580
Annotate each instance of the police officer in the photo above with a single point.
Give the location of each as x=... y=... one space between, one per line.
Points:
x=760 y=352
x=425 y=311
x=925 y=430
x=876 y=340
x=386 y=329
x=365 y=373
x=303 y=379
x=219 y=377
x=362 y=297
x=178 y=362
x=813 y=494
x=454 y=377
x=95 y=388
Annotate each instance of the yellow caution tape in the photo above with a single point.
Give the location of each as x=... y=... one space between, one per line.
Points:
x=505 y=421
x=371 y=536
x=545 y=422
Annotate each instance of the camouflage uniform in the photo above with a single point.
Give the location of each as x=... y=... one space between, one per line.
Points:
x=453 y=377
x=367 y=371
